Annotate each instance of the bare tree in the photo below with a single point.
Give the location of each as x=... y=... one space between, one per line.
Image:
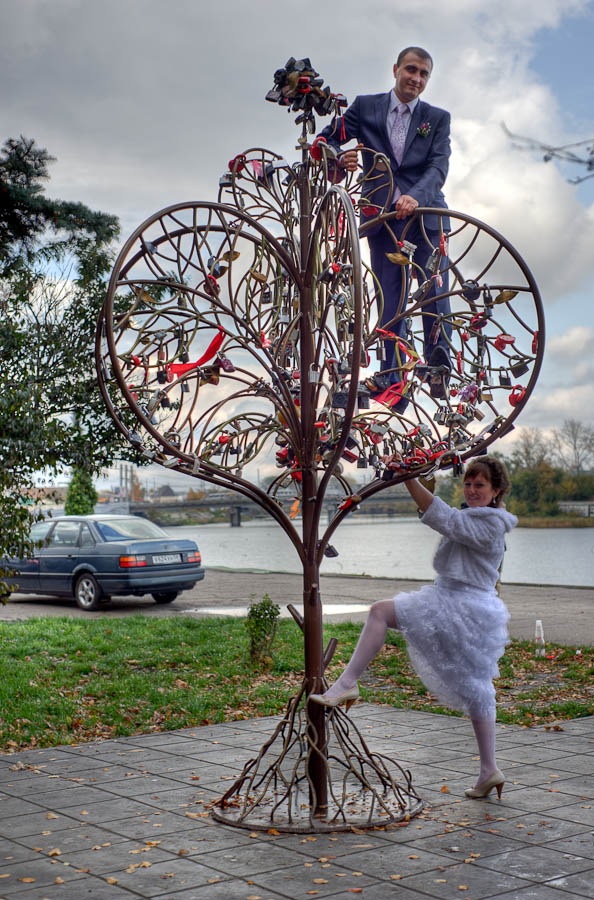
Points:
x=531 y=449
x=573 y=446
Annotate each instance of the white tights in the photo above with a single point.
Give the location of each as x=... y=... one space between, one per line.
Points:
x=382 y=616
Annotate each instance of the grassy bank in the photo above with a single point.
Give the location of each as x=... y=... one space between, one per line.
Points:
x=65 y=681
x=550 y=522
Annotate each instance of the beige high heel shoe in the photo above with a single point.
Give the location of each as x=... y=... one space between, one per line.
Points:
x=484 y=788
x=347 y=698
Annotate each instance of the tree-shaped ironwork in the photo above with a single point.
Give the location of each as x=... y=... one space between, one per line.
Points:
x=240 y=331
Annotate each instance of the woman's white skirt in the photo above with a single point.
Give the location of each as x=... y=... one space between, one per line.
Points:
x=455 y=634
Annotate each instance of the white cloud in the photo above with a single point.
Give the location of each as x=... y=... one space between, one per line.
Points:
x=577 y=342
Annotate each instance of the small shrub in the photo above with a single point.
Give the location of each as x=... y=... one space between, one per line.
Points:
x=262 y=623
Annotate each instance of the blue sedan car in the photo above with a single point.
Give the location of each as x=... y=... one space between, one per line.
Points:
x=93 y=558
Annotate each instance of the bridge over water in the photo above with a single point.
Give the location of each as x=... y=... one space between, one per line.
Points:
x=231 y=507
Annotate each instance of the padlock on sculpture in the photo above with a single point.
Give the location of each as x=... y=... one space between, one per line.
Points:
x=518 y=367
x=340 y=400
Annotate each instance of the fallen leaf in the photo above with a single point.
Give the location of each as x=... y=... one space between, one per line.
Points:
x=444 y=789
x=111 y=880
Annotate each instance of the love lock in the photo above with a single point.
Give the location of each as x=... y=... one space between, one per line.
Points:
x=339 y=400
x=363 y=358
x=517 y=394
x=518 y=367
x=314 y=374
x=226 y=364
x=363 y=398
x=471 y=290
x=504 y=378
x=503 y=340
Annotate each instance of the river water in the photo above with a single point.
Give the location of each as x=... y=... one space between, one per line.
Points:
x=396 y=548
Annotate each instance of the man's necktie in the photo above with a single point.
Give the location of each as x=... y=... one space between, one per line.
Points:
x=399 y=131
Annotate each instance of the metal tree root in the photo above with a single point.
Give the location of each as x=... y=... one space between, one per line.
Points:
x=365 y=789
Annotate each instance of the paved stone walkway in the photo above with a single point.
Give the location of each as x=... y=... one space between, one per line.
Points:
x=125 y=819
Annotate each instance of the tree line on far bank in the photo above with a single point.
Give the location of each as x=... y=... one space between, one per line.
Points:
x=546 y=469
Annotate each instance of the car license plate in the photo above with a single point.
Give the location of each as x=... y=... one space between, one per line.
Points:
x=163 y=558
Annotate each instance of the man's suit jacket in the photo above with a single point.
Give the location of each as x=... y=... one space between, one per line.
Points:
x=425 y=161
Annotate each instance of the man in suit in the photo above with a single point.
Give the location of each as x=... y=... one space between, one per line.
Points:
x=414 y=138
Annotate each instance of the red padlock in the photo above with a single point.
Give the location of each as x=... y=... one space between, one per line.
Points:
x=504 y=340
x=315 y=151
x=516 y=395
x=535 y=342
x=237 y=163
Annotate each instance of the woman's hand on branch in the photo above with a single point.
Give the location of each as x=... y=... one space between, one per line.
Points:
x=422 y=497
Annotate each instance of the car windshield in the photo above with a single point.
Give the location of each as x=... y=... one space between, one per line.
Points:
x=133 y=527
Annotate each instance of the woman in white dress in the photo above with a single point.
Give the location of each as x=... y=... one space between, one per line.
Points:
x=456 y=628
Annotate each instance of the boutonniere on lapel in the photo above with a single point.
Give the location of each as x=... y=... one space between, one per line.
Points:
x=424 y=129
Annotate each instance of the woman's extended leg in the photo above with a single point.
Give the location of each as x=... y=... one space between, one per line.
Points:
x=381 y=617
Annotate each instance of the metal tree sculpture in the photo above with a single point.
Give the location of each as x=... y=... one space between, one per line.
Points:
x=235 y=331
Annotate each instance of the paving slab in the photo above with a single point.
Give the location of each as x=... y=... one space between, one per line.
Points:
x=129 y=818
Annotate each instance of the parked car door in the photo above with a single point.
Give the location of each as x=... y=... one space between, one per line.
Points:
x=27 y=570
x=59 y=558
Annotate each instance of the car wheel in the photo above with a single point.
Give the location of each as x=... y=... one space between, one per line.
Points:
x=165 y=596
x=87 y=593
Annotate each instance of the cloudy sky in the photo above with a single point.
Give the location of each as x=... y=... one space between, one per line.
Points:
x=143 y=102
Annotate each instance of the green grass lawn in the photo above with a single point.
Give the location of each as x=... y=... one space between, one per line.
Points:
x=65 y=681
